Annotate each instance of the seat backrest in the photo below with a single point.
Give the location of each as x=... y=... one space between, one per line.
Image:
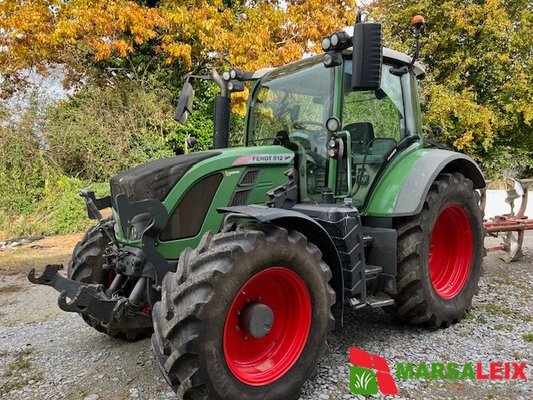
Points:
x=362 y=134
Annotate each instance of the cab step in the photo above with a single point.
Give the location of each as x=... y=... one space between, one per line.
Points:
x=372 y=271
x=379 y=299
x=355 y=303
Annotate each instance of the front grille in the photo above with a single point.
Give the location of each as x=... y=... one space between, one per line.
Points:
x=240 y=198
x=249 y=178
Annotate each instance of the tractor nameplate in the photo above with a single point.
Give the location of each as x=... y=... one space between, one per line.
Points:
x=264 y=159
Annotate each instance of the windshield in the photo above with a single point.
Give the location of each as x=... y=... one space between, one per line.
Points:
x=292 y=100
x=290 y=107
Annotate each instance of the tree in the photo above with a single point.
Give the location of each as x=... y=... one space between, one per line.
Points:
x=78 y=33
x=479 y=61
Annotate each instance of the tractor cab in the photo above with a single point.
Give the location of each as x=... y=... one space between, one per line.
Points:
x=290 y=106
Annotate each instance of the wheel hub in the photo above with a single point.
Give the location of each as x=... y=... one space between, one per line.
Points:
x=257 y=320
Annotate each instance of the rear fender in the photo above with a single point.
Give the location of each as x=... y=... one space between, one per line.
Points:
x=402 y=192
x=314 y=232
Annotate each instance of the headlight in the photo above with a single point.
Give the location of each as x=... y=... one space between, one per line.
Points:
x=134 y=233
x=138 y=225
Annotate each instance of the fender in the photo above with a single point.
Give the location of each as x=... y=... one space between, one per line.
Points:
x=314 y=232
x=402 y=192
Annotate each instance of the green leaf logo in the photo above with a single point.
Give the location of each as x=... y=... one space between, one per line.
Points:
x=363 y=381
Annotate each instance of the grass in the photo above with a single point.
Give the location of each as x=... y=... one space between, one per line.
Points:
x=10 y=289
x=528 y=337
x=467 y=315
x=495 y=309
x=18 y=373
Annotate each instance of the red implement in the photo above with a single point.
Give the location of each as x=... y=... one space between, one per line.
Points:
x=513 y=225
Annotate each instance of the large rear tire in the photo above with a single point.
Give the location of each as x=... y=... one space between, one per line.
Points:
x=86 y=266
x=245 y=316
x=440 y=253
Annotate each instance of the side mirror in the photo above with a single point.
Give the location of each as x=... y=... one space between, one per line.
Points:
x=437 y=131
x=367 y=56
x=184 y=108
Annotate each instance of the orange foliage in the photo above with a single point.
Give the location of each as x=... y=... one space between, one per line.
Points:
x=37 y=33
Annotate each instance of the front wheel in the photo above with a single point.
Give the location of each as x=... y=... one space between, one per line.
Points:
x=245 y=316
x=440 y=252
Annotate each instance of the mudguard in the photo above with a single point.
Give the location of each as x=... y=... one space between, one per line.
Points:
x=402 y=189
x=315 y=233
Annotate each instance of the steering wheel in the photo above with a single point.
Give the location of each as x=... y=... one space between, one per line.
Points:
x=299 y=125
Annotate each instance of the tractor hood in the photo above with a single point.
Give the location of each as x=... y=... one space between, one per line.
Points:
x=155 y=179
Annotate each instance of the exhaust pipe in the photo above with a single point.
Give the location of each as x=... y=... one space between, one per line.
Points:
x=222 y=113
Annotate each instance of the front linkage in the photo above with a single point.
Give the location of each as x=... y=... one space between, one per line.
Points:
x=92 y=300
x=132 y=277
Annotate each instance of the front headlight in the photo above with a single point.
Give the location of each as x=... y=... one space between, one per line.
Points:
x=138 y=225
x=134 y=233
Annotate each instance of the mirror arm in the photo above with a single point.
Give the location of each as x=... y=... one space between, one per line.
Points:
x=220 y=82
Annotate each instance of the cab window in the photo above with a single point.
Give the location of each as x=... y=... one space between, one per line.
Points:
x=374 y=120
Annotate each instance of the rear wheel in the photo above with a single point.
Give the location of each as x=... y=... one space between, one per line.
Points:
x=440 y=252
x=86 y=266
x=245 y=316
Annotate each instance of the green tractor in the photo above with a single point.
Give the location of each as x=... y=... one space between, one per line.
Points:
x=239 y=261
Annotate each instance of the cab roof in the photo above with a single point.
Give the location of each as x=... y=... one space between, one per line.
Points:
x=388 y=54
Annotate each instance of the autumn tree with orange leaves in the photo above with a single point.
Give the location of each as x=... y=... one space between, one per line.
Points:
x=190 y=35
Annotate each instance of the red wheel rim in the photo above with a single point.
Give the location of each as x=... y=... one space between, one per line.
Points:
x=260 y=361
x=451 y=251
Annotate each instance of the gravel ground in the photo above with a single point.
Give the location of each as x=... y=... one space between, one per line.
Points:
x=47 y=354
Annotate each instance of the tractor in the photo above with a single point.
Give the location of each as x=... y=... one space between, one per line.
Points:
x=239 y=261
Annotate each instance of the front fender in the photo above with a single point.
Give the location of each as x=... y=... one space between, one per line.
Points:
x=314 y=232
x=403 y=187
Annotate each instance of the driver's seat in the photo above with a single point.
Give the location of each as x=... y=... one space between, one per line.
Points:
x=362 y=133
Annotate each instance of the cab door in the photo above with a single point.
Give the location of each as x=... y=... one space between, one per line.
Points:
x=374 y=121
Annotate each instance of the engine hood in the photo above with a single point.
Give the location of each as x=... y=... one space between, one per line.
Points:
x=155 y=179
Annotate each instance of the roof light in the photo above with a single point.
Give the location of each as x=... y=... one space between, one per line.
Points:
x=326 y=43
x=236 y=73
x=341 y=40
x=332 y=59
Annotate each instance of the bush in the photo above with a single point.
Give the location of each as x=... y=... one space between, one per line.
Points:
x=23 y=165
x=47 y=156
x=507 y=162
x=100 y=132
x=35 y=197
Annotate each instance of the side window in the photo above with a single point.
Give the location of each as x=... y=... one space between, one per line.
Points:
x=375 y=122
x=382 y=109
